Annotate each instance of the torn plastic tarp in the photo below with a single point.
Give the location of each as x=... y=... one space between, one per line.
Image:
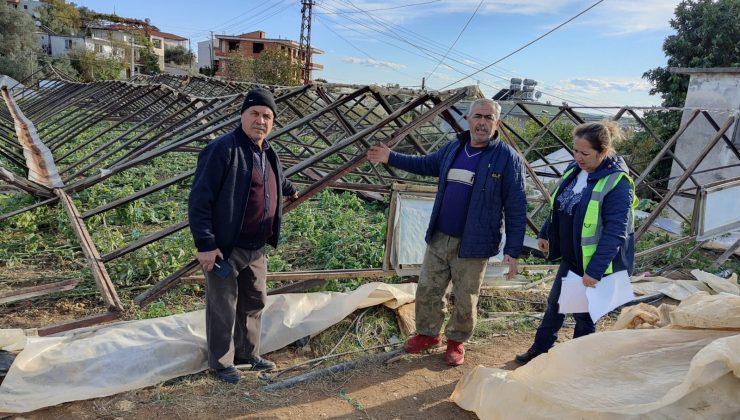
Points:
x=690 y=369
x=105 y=360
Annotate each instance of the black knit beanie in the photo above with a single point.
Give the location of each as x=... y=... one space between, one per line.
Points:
x=257 y=97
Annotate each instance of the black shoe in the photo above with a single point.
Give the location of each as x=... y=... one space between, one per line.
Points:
x=229 y=375
x=257 y=363
x=526 y=357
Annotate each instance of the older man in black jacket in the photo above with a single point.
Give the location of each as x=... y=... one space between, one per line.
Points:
x=235 y=209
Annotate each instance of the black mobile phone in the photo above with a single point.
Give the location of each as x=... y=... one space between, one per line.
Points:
x=222 y=268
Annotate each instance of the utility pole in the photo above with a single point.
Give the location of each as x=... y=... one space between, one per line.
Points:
x=213 y=71
x=190 y=57
x=305 y=42
x=132 y=56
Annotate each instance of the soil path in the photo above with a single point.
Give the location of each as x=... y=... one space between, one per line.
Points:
x=414 y=387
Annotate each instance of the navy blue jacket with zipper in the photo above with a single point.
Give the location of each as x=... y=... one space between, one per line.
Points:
x=498 y=188
x=218 y=197
x=616 y=245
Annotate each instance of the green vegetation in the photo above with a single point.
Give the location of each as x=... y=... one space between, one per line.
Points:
x=178 y=55
x=18 y=49
x=61 y=17
x=271 y=67
x=707 y=33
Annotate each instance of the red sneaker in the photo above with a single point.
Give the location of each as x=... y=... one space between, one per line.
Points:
x=455 y=354
x=419 y=343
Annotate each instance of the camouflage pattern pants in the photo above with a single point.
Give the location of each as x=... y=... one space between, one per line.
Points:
x=442 y=265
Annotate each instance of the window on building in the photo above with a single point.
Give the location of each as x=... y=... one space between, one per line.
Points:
x=25 y=6
x=233 y=46
x=257 y=47
x=98 y=48
x=157 y=43
x=67 y=44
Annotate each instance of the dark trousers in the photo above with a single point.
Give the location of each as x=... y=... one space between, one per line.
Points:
x=234 y=308
x=547 y=333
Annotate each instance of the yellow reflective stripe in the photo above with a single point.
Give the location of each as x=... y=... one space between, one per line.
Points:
x=591 y=231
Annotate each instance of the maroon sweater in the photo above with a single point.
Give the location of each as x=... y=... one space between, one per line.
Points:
x=262 y=202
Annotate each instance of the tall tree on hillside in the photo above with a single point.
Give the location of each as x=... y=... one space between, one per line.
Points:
x=18 y=45
x=61 y=17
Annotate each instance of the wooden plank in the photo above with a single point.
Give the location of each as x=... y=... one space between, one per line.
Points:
x=146 y=240
x=297 y=287
x=299 y=276
x=99 y=273
x=165 y=284
x=79 y=323
x=36 y=291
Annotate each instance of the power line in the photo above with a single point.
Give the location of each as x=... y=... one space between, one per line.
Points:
x=456 y=39
x=527 y=44
x=377 y=10
x=320 y=20
x=256 y=19
x=428 y=51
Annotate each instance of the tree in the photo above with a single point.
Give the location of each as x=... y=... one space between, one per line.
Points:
x=92 y=67
x=18 y=45
x=148 y=59
x=239 y=68
x=60 y=17
x=275 y=67
x=207 y=71
x=707 y=35
x=178 y=55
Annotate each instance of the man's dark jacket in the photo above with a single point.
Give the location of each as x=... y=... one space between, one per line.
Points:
x=498 y=188
x=218 y=197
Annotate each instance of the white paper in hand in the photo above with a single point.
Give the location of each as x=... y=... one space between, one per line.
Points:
x=572 y=295
x=612 y=291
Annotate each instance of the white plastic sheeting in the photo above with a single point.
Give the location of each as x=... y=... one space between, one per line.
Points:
x=100 y=361
x=674 y=372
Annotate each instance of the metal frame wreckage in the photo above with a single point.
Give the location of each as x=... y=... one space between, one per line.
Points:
x=61 y=139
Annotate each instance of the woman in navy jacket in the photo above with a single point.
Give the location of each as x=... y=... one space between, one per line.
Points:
x=590 y=240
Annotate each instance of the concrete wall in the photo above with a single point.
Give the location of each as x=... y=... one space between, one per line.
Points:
x=204 y=54
x=65 y=44
x=719 y=92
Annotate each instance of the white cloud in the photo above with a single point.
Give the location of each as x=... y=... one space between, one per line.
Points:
x=626 y=17
x=620 y=17
x=373 y=63
x=592 y=86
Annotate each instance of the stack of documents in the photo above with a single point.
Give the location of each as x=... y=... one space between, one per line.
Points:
x=611 y=292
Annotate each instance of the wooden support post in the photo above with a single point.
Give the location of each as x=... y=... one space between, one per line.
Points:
x=100 y=274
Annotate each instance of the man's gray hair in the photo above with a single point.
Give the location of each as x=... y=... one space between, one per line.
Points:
x=479 y=102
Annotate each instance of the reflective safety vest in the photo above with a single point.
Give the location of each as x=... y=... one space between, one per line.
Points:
x=592 y=225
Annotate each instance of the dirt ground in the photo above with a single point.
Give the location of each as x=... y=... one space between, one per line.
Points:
x=412 y=387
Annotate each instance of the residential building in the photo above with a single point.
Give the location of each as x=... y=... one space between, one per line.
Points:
x=252 y=44
x=28 y=6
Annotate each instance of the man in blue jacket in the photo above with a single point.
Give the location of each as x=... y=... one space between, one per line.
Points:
x=235 y=209
x=480 y=179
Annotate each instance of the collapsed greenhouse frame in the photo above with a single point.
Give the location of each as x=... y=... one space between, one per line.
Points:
x=321 y=134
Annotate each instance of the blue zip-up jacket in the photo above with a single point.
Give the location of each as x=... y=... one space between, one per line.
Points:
x=615 y=245
x=498 y=188
x=218 y=197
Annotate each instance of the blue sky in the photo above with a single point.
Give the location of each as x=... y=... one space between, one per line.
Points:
x=597 y=59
